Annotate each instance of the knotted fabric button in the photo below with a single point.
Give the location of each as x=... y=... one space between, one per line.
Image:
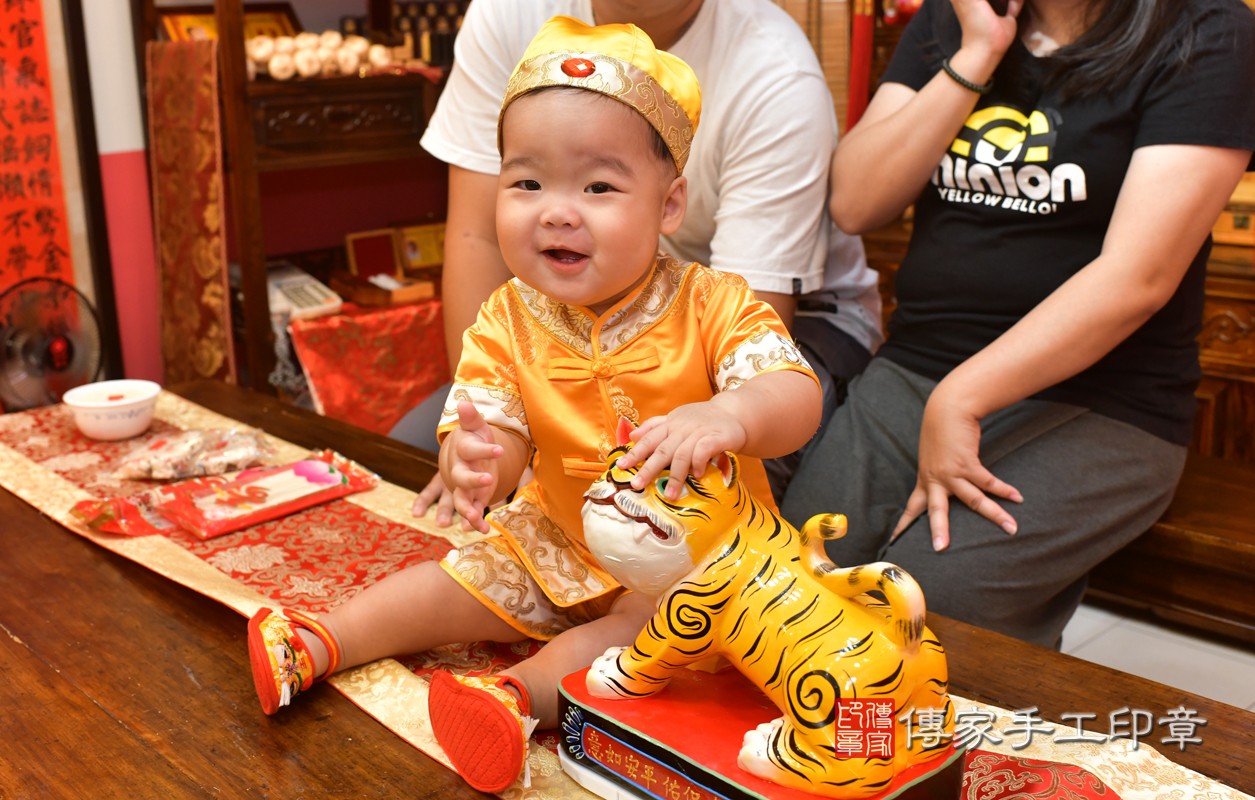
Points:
x=602 y=368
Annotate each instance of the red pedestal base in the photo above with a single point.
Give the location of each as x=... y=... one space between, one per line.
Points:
x=683 y=742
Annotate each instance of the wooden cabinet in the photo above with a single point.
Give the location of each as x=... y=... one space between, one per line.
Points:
x=299 y=124
x=274 y=125
x=1225 y=423
x=1226 y=427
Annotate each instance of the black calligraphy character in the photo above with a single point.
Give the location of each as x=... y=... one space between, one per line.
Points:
x=52 y=256
x=9 y=153
x=12 y=187
x=38 y=147
x=15 y=223
x=28 y=74
x=3 y=119
x=33 y=112
x=17 y=259
x=39 y=184
x=47 y=220
x=24 y=32
x=20 y=5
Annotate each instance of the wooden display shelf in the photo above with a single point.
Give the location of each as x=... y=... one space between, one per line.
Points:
x=323 y=122
x=270 y=126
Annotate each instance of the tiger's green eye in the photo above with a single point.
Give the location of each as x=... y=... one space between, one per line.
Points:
x=662 y=483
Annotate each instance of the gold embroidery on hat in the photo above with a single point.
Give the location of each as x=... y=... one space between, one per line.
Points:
x=614 y=78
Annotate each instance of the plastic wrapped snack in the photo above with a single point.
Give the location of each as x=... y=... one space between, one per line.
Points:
x=137 y=514
x=192 y=453
x=258 y=495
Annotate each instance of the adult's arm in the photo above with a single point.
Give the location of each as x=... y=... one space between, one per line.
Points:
x=769 y=224
x=1150 y=243
x=784 y=304
x=473 y=266
x=883 y=162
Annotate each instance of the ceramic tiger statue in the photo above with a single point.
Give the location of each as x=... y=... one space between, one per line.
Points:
x=734 y=579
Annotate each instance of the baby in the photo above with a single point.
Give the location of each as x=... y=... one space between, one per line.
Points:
x=597 y=326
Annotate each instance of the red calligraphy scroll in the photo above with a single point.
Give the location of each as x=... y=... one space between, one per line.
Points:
x=34 y=233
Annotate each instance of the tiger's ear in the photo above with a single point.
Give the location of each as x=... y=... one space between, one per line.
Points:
x=726 y=465
x=623 y=433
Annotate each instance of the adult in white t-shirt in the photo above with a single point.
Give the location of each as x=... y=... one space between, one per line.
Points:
x=757 y=174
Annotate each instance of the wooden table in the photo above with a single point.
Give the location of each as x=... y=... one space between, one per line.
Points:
x=116 y=682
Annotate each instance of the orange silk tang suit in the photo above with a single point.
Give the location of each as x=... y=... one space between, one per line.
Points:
x=560 y=378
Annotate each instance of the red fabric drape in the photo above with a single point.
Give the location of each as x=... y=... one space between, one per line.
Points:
x=369 y=366
x=862 y=30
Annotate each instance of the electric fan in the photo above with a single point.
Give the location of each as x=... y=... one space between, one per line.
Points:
x=50 y=336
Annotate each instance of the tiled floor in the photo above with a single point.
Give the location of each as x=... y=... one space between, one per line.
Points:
x=1201 y=666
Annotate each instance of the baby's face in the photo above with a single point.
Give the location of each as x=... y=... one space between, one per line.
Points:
x=582 y=197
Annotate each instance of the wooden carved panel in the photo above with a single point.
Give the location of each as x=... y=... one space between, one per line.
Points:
x=1227 y=340
x=282 y=122
x=1209 y=418
x=1227 y=351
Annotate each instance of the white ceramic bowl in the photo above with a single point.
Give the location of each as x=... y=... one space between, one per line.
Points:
x=111 y=410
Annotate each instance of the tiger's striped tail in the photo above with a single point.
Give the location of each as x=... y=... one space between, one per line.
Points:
x=904 y=597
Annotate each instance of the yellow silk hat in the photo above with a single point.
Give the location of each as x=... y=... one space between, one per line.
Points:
x=619 y=61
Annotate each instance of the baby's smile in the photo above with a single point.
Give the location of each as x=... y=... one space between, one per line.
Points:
x=565 y=260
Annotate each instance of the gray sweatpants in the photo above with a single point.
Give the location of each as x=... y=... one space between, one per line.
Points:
x=1091 y=484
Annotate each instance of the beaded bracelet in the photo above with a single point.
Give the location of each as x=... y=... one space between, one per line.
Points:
x=979 y=88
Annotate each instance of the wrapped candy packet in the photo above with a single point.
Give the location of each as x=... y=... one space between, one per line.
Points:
x=216 y=505
x=190 y=453
x=266 y=493
x=137 y=514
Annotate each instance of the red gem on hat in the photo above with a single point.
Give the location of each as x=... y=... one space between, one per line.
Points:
x=578 y=67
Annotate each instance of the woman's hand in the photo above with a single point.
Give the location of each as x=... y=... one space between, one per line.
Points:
x=984 y=28
x=949 y=464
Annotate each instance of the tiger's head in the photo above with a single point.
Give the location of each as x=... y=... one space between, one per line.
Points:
x=648 y=542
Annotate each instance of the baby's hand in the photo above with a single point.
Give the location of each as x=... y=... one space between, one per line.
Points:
x=471 y=466
x=686 y=440
x=435 y=493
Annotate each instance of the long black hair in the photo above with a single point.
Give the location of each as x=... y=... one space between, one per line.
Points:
x=1125 y=37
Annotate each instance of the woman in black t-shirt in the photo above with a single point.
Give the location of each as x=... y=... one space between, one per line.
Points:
x=1066 y=162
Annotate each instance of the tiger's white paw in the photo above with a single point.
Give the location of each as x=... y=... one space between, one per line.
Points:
x=604 y=675
x=754 y=748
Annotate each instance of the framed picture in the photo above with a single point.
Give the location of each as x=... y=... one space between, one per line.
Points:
x=422 y=246
x=373 y=253
x=187 y=23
